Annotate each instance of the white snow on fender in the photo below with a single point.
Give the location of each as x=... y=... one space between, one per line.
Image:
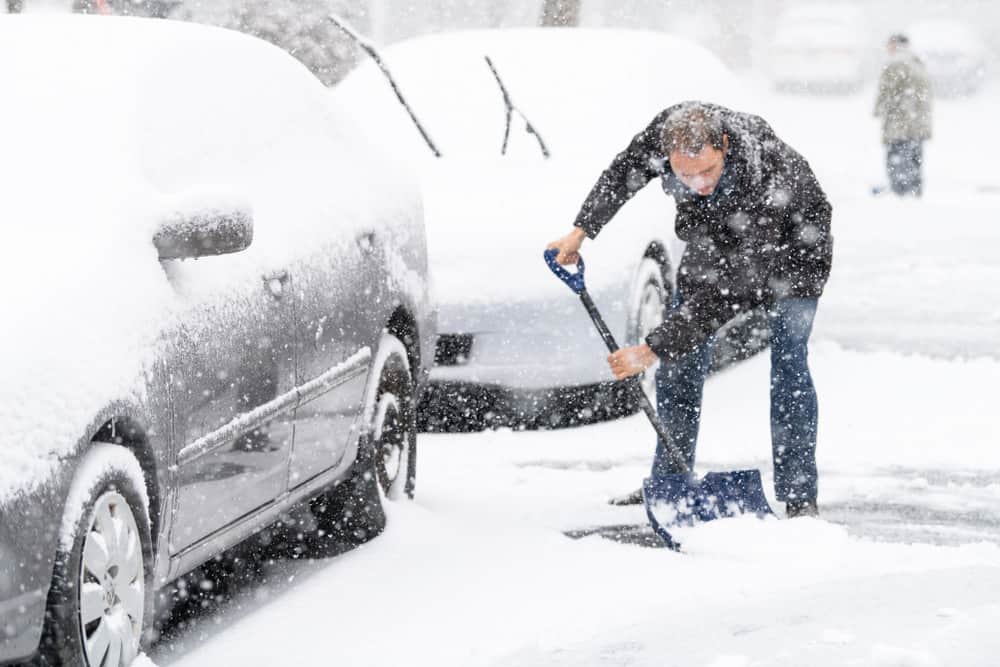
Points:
x=388 y=346
x=99 y=460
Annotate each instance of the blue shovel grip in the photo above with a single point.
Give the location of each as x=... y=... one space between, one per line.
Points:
x=573 y=280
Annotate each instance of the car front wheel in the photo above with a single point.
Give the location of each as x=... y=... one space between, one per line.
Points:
x=100 y=600
x=650 y=298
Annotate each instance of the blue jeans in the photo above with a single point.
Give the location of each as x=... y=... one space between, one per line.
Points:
x=903 y=160
x=794 y=410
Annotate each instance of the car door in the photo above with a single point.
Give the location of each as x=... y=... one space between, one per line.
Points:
x=338 y=294
x=232 y=392
x=337 y=328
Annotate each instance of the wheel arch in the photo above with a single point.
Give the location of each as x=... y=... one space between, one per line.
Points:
x=658 y=252
x=404 y=326
x=125 y=427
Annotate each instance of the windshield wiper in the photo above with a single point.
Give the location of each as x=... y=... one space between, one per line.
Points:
x=368 y=48
x=510 y=109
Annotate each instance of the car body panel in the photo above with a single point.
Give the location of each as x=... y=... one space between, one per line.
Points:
x=234 y=358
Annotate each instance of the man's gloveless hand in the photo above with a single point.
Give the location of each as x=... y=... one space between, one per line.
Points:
x=630 y=361
x=568 y=246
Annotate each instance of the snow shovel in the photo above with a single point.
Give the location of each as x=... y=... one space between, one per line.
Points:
x=675 y=498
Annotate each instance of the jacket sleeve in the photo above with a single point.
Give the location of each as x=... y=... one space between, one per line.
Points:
x=629 y=172
x=883 y=94
x=805 y=261
x=702 y=313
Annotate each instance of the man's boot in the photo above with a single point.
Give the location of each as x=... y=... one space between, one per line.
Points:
x=797 y=508
x=634 y=498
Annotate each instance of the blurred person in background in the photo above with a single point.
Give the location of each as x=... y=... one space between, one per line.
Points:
x=904 y=105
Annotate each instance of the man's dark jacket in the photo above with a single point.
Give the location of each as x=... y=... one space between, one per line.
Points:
x=762 y=235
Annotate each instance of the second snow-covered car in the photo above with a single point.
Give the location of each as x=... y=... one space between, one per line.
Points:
x=514 y=346
x=954 y=54
x=819 y=49
x=216 y=312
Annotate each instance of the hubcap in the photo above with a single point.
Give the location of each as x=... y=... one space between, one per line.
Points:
x=650 y=316
x=112 y=584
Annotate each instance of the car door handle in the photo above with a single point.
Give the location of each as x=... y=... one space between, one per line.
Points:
x=275 y=282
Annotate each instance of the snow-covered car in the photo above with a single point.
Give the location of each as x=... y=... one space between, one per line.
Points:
x=954 y=54
x=515 y=346
x=217 y=310
x=819 y=48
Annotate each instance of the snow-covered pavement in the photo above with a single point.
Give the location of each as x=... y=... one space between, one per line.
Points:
x=902 y=568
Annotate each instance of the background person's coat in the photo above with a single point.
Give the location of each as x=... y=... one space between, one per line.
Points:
x=762 y=235
x=904 y=99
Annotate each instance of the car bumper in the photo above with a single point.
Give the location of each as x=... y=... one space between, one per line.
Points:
x=29 y=528
x=464 y=406
x=527 y=345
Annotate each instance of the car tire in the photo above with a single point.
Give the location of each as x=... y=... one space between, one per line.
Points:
x=352 y=511
x=100 y=603
x=651 y=295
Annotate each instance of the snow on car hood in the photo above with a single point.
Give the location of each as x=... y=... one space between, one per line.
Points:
x=489 y=222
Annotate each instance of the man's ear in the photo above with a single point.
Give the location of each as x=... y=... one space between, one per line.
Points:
x=725 y=142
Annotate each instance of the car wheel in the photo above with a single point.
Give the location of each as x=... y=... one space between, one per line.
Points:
x=650 y=297
x=100 y=599
x=352 y=511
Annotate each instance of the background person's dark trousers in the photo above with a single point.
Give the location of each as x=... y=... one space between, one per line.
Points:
x=904 y=161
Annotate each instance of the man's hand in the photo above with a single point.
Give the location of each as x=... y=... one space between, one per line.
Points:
x=569 y=246
x=630 y=361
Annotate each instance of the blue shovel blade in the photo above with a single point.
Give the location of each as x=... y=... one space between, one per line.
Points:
x=681 y=499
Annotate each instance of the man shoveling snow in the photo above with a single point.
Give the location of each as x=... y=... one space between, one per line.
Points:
x=757 y=228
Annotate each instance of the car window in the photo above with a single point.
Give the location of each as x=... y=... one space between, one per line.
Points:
x=250 y=121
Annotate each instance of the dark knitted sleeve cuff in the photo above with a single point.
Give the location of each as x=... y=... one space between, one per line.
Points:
x=659 y=343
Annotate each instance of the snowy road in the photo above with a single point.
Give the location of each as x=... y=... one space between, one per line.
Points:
x=902 y=569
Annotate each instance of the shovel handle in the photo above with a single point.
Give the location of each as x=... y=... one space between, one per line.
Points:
x=573 y=280
x=576 y=283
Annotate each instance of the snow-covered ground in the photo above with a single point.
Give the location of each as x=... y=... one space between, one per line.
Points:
x=902 y=568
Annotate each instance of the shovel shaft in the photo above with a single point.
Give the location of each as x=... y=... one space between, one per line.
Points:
x=633 y=385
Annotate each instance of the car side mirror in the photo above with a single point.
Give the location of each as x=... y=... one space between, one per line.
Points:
x=205 y=232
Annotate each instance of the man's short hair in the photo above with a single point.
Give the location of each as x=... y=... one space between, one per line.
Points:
x=899 y=39
x=692 y=127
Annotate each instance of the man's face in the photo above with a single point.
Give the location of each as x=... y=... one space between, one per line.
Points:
x=700 y=172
